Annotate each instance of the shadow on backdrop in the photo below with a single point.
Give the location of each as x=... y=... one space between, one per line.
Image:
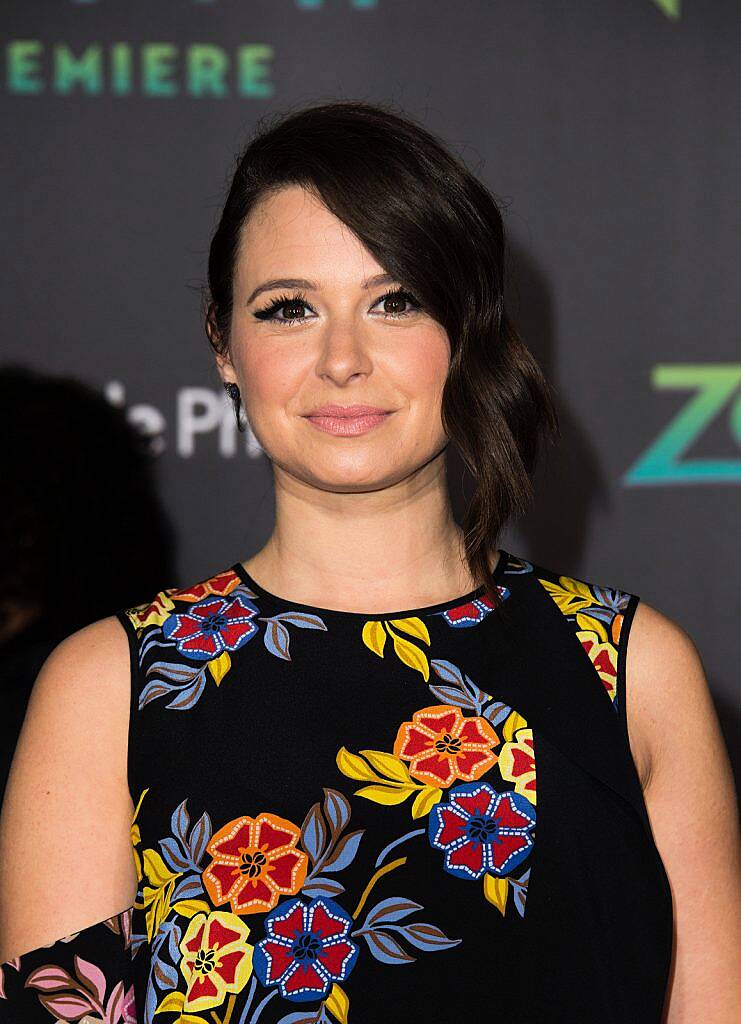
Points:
x=82 y=529
x=569 y=481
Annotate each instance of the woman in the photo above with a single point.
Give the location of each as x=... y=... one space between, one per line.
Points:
x=383 y=769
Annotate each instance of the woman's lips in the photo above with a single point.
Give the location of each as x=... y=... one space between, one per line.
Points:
x=348 y=426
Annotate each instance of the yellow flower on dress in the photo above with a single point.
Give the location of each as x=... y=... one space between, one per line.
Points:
x=217 y=959
x=517 y=764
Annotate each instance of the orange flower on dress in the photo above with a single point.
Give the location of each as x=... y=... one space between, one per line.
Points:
x=255 y=862
x=443 y=746
x=222 y=584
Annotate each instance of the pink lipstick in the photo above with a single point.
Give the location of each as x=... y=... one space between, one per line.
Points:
x=347 y=420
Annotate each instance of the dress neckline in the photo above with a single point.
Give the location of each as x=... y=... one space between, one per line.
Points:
x=405 y=613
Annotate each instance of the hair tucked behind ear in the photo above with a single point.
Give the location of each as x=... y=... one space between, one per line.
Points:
x=437 y=229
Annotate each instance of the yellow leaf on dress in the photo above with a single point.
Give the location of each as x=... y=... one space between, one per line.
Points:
x=354 y=767
x=569 y=594
x=172 y=1003
x=338 y=1003
x=385 y=794
x=514 y=722
x=389 y=765
x=495 y=890
x=587 y=623
x=414 y=626
x=218 y=667
x=187 y=908
x=425 y=800
x=411 y=656
x=156 y=870
x=374 y=637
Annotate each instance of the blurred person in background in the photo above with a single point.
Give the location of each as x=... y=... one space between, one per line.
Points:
x=82 y=529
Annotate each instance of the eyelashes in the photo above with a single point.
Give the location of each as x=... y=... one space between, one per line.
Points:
x=299 y=299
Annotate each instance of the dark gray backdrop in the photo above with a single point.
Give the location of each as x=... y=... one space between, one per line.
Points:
x=609 y=130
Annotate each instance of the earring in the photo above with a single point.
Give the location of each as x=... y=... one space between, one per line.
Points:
x=232 y=390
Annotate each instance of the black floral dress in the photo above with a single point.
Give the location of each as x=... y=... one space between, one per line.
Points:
x=428 y=815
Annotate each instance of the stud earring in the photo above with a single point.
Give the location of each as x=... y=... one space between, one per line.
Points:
x=232 y=390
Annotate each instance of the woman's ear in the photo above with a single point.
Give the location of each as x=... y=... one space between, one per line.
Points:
x=214 y=334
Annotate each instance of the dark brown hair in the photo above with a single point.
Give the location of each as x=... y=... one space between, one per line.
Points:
x=432 y=225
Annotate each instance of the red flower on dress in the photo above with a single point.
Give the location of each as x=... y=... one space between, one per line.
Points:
x=470 y=613
x=255 y=862
x=443 y=746
x=212 y=626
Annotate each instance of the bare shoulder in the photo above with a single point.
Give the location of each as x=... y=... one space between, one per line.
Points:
x=691 y=800
x=65 y=848
x=667 y=689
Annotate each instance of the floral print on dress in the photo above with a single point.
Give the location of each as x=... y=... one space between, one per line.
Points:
x=479 y=830
x=485 y=831
x=307 y=949
x=302 y=949
x=220 y=615
x=69 y=986
x=442 y=746
x=471 y=612
x=597 y=614
x=253 y=917
x=216 y=959
x=255 y=862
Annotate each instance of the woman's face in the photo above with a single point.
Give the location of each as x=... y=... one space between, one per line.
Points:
x=335 y=341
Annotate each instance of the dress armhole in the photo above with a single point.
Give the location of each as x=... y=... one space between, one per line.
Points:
x=134 y=683
x=89 y=972
x=620 y=681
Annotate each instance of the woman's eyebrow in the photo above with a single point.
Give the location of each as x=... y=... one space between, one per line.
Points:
x=301 y=282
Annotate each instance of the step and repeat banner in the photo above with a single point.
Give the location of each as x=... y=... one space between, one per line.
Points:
x=608 y=129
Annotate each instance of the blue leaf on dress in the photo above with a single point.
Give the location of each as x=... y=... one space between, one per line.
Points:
x=277 y=639
x=304 y=620
x=425 y=936
x=174 y=943
x=336 y=809
x=173 y=855
x=154 y=689
x=447 y=671
x=387 y=949
x=189 y=696
x=449 y=695
x=497 y=712
x=344 y=852
x=322 y=887
x=180 y=821
x=394 y=908
x=187 y=888
x=165 y=975
x=200 y=838
x=314 y=834
x=301 y=1017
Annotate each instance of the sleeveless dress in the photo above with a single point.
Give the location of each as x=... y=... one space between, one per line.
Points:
x=430 y=815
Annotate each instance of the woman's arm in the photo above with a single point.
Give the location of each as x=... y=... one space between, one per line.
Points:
x=689 y=791
x=65 y=845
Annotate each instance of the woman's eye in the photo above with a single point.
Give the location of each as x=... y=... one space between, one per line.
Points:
x=293 y=307
x=396 y=299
